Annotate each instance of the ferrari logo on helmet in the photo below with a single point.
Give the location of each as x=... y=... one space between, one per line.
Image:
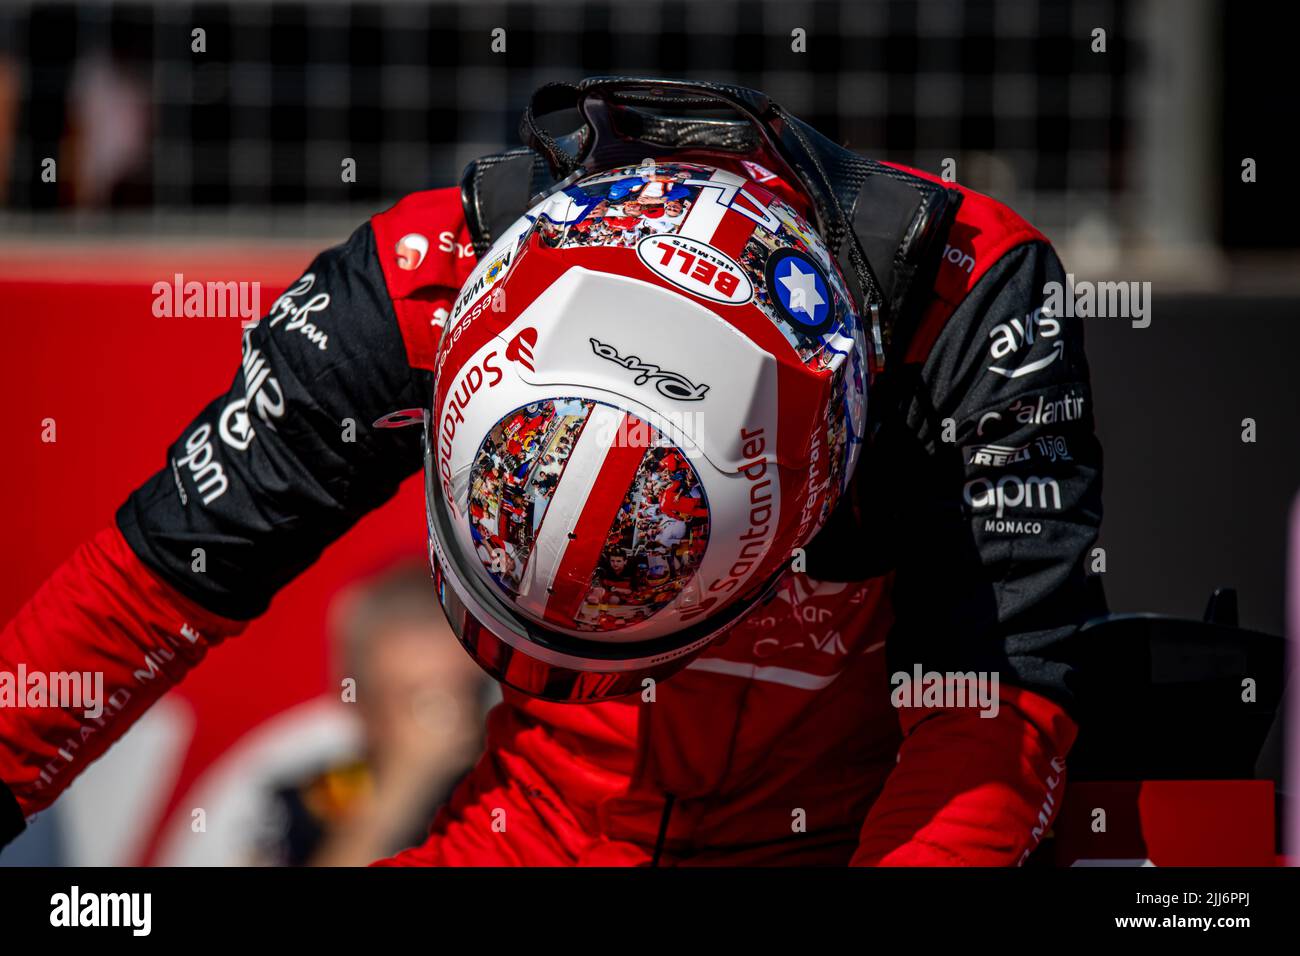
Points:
x=521 y=348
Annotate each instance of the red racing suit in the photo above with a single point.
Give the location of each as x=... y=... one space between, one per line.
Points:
x=779 y=745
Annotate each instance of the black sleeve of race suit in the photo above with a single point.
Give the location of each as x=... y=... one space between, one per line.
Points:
x=994 y=482
x=288 y=459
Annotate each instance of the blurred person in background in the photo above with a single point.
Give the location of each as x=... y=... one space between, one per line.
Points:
x=9 y=88
x=419 y=699
x=107 y=141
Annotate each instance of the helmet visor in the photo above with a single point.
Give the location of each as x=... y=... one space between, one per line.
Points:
x=536 y=660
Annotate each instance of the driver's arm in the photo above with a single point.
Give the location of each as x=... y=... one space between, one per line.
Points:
x=996 y=522
x=254 y=488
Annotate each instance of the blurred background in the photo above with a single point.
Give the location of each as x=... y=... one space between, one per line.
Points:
x=218 y=155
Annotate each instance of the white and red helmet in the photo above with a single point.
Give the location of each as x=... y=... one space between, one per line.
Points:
x=649 y=394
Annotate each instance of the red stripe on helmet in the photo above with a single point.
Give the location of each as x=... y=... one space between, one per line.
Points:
x=733 y=232
x=573 y=578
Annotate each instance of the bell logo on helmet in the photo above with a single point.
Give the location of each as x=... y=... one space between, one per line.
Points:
x=697 y=268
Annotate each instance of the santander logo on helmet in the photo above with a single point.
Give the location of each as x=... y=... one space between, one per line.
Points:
x=650 y=391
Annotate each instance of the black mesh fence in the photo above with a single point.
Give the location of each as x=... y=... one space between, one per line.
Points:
x=261 y=110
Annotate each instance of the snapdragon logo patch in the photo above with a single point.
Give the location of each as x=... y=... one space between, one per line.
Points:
x=799 y=291
x=411 y=250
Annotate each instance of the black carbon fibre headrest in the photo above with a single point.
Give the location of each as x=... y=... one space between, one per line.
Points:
x=885 y=226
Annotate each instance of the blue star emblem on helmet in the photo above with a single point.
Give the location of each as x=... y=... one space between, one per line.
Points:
x=800 y=292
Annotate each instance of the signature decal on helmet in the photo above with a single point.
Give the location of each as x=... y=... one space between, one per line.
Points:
x=696 y=267
x=668 y=384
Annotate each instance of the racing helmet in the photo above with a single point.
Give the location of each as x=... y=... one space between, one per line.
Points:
x=648 y=395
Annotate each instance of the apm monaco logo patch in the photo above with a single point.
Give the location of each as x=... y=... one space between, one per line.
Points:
x=697 y=268
x=411 y=250
x=800 y=292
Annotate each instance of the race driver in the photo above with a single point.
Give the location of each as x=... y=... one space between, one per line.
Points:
x=776 y=741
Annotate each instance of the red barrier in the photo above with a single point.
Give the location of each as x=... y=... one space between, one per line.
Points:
x=87 y=352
